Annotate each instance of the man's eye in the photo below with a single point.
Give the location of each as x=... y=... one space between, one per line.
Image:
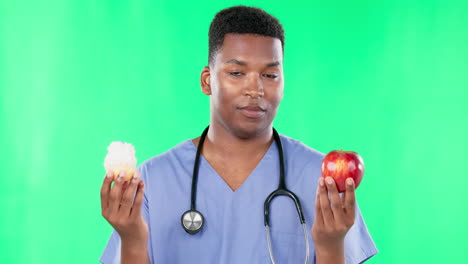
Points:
x=271 y=76
x=235 y=73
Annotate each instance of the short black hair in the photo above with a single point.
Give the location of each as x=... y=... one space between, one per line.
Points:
x=243 y=20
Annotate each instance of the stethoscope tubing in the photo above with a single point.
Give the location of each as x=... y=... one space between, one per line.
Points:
x=193 y=221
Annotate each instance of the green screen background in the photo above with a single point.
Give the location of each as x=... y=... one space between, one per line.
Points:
x=387 y=79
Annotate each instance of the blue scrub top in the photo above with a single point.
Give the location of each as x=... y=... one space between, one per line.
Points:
x=234 y=230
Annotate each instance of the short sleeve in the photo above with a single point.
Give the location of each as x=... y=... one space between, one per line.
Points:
x=111 y=254
x=359 y=245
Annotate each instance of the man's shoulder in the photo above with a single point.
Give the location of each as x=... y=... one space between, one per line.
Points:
x=179 y=153
x=297 y=149
x=303 y=163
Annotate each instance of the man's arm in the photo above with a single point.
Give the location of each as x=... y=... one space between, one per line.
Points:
x=334 y=216
x=134 y=254
x=121 y=207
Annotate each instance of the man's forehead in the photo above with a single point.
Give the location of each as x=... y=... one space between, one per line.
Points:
x=244 y=49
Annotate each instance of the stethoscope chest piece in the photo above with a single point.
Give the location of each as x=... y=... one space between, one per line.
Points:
x=192 y=221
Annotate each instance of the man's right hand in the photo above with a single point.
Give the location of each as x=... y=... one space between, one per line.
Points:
x=121 y=207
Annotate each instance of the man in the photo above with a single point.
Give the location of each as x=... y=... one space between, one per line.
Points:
x=239 y=168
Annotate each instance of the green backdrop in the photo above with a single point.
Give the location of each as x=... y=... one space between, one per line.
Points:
x=387 y=79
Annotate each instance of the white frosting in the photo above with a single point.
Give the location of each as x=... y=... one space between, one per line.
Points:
x=119 y=155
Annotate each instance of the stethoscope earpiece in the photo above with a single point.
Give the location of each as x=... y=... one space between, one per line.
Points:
x=192 y=221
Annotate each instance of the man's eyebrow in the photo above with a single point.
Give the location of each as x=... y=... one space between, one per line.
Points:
x=243 y=63
x=235 y=61
x=273 y=64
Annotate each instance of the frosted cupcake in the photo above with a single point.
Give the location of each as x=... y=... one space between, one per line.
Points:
x=120 y=157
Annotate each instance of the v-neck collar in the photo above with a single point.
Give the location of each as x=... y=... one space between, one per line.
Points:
x=219 y=182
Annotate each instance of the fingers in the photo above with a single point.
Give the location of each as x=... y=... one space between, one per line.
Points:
x=350 y=199
x=336 y=204
x=136 y=209
x=128 y=195
x=327 y=213
x=105 y=189
x=334 y=215
x=116 y=194
x=318 y=209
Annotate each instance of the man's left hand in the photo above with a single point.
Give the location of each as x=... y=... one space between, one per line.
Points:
x=334 y=216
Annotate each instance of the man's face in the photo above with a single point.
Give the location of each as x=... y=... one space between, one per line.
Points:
x=246 y=83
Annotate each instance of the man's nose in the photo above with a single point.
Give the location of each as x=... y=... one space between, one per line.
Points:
x=254 y=87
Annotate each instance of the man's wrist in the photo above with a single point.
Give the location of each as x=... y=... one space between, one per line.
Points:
x=134 y=247
x=330 y=253
x=134 y=253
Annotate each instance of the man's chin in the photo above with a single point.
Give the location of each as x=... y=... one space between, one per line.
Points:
x=250 y=131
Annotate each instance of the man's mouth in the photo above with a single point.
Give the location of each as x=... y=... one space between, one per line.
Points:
x=252 y=111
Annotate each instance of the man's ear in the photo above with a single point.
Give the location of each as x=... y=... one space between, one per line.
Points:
x=205 y=80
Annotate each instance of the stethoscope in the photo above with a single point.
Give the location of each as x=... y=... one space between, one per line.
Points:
x=192 y=220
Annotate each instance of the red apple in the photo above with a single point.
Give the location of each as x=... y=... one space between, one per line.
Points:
x=341 y=165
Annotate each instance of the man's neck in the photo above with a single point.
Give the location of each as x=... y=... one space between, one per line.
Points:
x=225 y=144
x=228 y=144
x=222 y=148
